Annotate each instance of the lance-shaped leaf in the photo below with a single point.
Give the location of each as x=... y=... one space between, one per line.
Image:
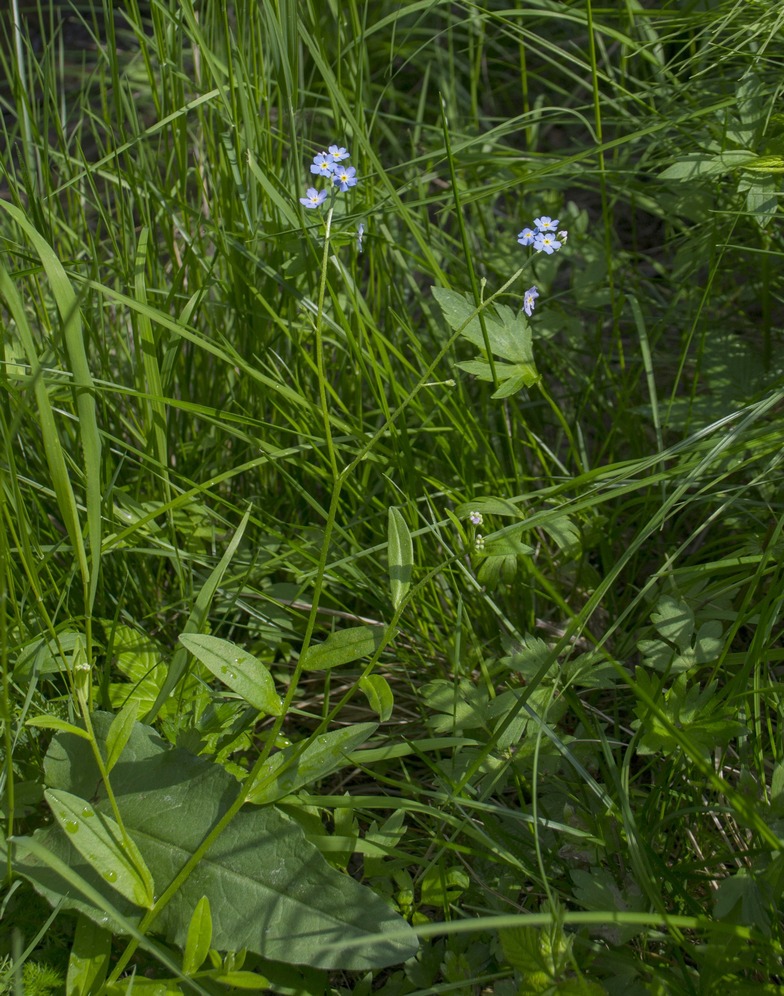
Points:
x=343 y=647
x=237 y=669
x=98 y=840
x=401 y=556
x=299 y=765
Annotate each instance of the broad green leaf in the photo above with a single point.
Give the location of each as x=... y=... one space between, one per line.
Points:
x=199 y=939
x=98 y=840
x=343 y=647
x=291 y=907
x=36 y=861
x=237 y=669
x=297 y=766
x=53 y=723
x=401 y=556
x=119 y=732
x=89 y=958
x=379 y=695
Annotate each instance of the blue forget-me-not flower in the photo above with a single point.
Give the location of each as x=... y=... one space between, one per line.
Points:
x=544 y=242
x=322 y=164
x=344 y=177
x=526 y=237
x=546 y=223
x=314 y=198
x=529 y=300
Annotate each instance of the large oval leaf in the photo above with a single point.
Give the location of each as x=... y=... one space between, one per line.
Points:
x=269 y=889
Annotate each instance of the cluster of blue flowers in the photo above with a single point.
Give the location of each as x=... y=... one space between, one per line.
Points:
x=544 y=237
x=330 y=164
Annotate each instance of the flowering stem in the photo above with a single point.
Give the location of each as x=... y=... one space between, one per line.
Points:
x=320 y=350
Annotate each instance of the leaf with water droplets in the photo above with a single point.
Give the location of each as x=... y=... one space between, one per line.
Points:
x=100 y=843
x=305 y=763
x=270 y=889
x=237 y=669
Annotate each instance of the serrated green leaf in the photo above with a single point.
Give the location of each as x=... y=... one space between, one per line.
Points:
x=401 y=556
x=237 y=669
x=343 y=647
x=458 y=311
x=441 y=886
x=673 y=618
x=98 y=840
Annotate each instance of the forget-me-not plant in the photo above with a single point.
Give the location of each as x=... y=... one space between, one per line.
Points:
x=544 y=239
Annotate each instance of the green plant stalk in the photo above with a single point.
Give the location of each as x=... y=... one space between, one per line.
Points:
x=322 y=377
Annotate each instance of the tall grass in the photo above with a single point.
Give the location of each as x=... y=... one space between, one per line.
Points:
x=212 y=400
